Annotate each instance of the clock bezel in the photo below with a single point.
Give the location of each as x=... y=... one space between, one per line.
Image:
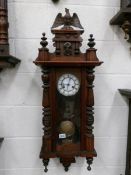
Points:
x=76 y=79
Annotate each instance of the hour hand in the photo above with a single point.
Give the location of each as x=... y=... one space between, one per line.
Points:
x=63 y=86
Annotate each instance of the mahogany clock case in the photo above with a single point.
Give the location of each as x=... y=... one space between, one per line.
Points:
x=77 y=114
x=68 y=97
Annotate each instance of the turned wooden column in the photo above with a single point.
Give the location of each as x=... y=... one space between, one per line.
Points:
x=91 y=55
x=90 y=113
x=3 y=23
x=127 y=93
x=6 y=60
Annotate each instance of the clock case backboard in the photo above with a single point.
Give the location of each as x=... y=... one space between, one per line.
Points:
x=67 y=58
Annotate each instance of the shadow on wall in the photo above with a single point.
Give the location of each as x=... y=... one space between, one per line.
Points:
x=1 y=140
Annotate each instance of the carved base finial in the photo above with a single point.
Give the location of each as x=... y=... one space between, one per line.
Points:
x=67 y=162
x=66 y=168
x=89 y=162
x=45 y=163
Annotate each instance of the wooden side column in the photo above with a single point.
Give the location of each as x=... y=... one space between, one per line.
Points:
x=90 y=115
x=46 y=148
x=46 y=145
x=92 y=63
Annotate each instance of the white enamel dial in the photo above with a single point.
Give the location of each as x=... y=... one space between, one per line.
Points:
x=68 y=85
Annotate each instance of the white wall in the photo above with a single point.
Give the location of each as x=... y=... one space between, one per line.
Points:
x=21 y=92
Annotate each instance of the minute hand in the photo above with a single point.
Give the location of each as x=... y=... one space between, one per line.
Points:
x=68 y=83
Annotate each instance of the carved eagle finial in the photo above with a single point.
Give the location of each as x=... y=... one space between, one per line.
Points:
x=67 y=21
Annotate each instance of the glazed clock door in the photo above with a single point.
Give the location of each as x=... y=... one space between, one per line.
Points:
x=68 y=109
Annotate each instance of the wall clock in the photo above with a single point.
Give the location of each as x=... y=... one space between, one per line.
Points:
x=68 y=98
x=123 y=18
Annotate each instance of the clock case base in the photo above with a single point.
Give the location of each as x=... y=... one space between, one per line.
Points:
x=68 y=160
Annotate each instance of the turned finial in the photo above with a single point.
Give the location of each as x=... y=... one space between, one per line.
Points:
x=44 y=43
x=91 y=42
x=89 y=162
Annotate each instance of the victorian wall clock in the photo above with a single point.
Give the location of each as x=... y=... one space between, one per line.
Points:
x=68 y=93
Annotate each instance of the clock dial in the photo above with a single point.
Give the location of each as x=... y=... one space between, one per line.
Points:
x=68 y=85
